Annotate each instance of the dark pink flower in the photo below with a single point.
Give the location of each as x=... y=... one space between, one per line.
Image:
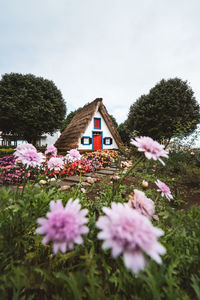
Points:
x=126 y=231
x=151 y=148
x=63 y=225
x=164 y=189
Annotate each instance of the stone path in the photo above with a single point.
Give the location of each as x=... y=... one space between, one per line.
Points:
x=87 y=179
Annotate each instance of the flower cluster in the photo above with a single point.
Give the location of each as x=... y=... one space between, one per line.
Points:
x=76 y=168
x=12 y=174
x=105 y=157
x=7 y=160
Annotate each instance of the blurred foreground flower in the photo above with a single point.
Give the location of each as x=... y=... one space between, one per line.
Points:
x=51 y=149
x=126 y=231
x=164 y=189
x=64 y=225
x=151 y=148
x=142 y=204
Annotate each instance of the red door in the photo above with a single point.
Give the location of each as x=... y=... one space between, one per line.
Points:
x=97 y=140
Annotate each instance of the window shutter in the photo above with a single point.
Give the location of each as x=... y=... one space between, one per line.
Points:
x=105 y=141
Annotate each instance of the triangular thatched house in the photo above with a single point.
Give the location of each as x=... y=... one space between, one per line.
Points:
x=90 y=129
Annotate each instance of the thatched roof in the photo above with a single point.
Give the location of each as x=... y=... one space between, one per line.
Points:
x=72 y=134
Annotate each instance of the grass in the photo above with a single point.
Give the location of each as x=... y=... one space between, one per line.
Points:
x=29 y=270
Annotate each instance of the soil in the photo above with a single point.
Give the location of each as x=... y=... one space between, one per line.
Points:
x=189 y=194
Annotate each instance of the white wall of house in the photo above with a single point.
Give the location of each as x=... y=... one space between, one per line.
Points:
x=105 y=133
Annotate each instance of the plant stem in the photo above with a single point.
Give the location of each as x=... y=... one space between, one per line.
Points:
x=129 y=171
x=24 y=181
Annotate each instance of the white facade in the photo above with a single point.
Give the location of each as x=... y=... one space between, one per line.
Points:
x=104 y=130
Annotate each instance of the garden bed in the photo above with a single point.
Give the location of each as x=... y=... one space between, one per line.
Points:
x=31 y=270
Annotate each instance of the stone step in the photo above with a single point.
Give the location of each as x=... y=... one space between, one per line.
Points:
x=75 y=178
x=105 y=172
x=94 y=175
x=112 y=169
x=69 y=183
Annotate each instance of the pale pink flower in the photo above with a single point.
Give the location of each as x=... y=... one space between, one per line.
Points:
x=51 y=149
x=82 y=190
x=31 y=158
x=164 y=189
x=23 y=147
x=73 y=155
x=63 y=225
x=142 y=204
x=126 y=231
x=55 y=163
x=151 y=148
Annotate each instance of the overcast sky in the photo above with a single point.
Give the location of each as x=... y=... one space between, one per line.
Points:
x=111 y=49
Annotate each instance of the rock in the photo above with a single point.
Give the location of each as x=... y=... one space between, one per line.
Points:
x=91 y=180
x=85 y=184
x=64 y=188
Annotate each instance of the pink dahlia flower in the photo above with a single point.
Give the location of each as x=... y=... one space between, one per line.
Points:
x=126 y=231
x=55 y=163
x=164 y=189
x=23 y=147
x=73 y=155
x=51 y=150
x=142 y=204
x=151 y=148
x=30 y=158
x=63 y=225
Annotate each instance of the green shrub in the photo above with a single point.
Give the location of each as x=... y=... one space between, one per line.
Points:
x=5 y=151
x=191 y=175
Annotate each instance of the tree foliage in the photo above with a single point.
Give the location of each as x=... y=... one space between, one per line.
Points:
x=30 y=106
x=168 y=109
x=124 y=133
x=68 y=119
x=114 y=121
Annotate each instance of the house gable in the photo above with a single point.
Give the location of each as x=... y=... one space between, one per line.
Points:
x=93 y=129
